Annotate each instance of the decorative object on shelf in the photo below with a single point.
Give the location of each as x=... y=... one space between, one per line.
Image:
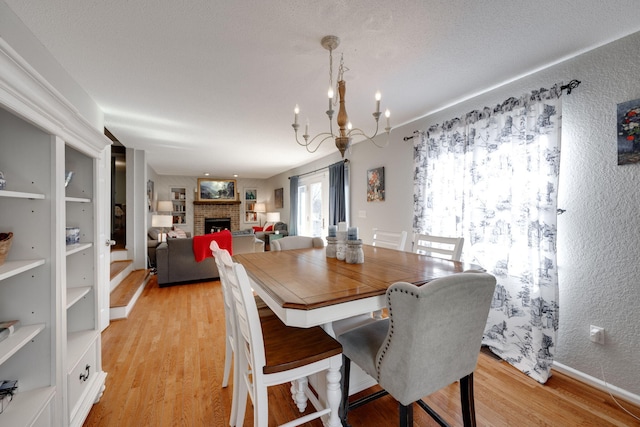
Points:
x=375 y=185
x=3 y=182
x=5 y=245
x=68 y=176
x=73 y=235
x=278 y=198
x=216 y=189
x=347 y=132
x=7 y=390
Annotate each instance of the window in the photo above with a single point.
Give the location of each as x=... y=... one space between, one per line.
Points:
x=313 y=205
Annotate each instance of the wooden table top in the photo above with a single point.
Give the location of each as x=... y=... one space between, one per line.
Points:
x=306 y=279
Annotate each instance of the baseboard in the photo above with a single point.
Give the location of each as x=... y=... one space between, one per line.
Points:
x=597 y=383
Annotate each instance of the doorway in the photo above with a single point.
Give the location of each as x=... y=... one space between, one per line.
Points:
x=118 y=195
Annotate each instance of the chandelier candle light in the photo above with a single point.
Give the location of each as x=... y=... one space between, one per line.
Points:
x=347 y=132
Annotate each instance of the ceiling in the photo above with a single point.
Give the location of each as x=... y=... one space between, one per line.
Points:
x=210 y=86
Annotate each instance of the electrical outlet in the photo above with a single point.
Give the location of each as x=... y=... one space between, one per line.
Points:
x=596 y=334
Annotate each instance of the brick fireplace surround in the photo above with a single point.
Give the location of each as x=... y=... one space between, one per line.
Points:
x=202 y=210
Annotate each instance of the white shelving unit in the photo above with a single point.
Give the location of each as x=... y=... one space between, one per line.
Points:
x=51 y=288
x=179 y=200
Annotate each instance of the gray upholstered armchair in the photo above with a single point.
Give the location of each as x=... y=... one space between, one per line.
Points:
x=279 y=227
x=431 y=339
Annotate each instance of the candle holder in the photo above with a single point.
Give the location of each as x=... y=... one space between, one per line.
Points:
x=332 y=246
x=341 y=246
x=355 y=254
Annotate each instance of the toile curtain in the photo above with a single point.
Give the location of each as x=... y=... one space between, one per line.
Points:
x=492 y=178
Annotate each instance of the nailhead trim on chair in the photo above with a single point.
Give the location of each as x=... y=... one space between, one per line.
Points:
x=386 y=344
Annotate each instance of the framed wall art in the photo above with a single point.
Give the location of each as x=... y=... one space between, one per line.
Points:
x=150 y=195
x=251 y=194
x=216 y=189
x=628 y=123
x=279 y=198
x=375 y=185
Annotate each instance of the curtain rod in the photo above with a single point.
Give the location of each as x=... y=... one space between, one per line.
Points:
x=321 y=169
x=568 y=87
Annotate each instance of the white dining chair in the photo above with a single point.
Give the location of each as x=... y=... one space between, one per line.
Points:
x=389 y=239
x=438 y=246
x=431 y=339
x=272 y=353
x=222 y=258
x=296 y=242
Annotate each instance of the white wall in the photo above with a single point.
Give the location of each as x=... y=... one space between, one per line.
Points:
x=598 y=247
x=20 y=38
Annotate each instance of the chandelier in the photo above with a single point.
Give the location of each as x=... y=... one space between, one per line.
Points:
x=346 y=131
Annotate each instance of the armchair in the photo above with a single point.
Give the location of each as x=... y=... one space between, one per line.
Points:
x=263 y=233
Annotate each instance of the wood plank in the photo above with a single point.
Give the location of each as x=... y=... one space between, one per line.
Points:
x=165 y=365
x=118 y=266
x=122 y=295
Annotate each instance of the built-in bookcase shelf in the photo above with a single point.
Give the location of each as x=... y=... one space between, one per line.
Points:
x=75 y=294
x=10 y=345
x=51 y=288
x=20 y=195
x=179 y=201
x=12 y=268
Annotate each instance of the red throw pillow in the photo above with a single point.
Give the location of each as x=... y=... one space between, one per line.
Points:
x=269 y=228
x=256 y=229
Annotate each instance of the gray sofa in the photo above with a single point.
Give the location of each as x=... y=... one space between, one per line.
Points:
x=176 y=262
x=153 y=242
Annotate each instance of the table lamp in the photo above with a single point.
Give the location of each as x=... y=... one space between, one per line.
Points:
x=162 y=221
x=259 y=208
x=274 y=217
x=165 y=206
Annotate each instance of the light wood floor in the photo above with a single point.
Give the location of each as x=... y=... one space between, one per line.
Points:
x=165 y=363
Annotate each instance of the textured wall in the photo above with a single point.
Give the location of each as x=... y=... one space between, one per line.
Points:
x=598 y=245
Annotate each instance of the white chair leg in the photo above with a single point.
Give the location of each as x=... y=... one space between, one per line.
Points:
x=298 y=392
x=261 y=407
x=241 y=406
x=377 y=315
x=334 y=392
x=228 y=355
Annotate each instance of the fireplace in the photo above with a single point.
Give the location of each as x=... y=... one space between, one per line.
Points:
x=211 y=225
x=215 y=210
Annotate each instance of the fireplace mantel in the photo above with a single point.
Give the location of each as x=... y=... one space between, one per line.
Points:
x=216 y=202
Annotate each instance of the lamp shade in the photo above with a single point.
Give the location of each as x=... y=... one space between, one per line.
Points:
x=161 y=220
x=165 y=206
x=273 y=216
x=259 y=207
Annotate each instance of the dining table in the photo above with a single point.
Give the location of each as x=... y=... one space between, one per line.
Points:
x=305 y=288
